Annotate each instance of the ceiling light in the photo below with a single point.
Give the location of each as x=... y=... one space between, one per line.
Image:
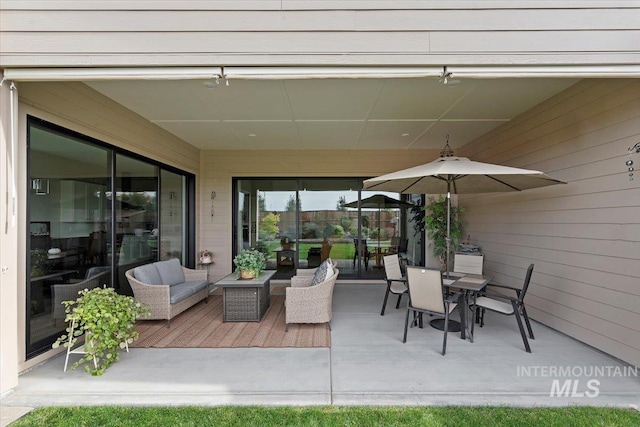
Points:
x=252 y=135
x=446 y=78
x=404 y=135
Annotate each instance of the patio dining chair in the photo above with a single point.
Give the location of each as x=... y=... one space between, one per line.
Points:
x=508 y=305
x=426 y=295
x=361 y=248
x=396 y=282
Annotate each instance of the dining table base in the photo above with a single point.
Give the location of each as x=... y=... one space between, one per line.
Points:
x=454 y=325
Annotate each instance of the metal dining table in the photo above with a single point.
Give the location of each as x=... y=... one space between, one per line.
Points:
x=469 y=285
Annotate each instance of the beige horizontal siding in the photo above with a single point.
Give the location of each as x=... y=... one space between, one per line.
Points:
x=322 y=20
x=583 y=237
x=38 y=33
x=310 y=4
x=318 y=42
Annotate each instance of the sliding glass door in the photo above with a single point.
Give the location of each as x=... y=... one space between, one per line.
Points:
x=93 y=213
x=298 y=223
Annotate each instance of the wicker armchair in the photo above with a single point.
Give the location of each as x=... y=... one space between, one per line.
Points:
x=309 y=304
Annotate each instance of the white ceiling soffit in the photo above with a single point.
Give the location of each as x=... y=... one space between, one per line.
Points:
x=312 y=108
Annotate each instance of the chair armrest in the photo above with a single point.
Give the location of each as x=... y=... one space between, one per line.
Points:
x=306 y=294
x=505 y=287
x=494 y=295
x=157 y=297
x=191 y=275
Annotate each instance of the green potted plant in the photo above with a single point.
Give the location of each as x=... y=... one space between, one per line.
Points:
x=250 y=263
x=435 y=223
x=107 y=320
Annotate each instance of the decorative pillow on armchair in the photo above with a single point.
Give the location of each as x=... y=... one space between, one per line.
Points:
x=322 y=273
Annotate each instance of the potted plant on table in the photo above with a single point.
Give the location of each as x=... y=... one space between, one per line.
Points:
x=250 y=263
x=435 y=222
x=205 y=257
x=106 y=318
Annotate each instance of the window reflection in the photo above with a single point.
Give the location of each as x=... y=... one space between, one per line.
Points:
x=300 y=223
x=136 y=216
x=74 y=239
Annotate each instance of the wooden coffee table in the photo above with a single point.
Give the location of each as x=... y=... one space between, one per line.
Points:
x=245 y=300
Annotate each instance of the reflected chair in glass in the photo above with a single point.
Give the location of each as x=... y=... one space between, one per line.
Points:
x=396 y=282
x=508 y=305
x=426 y=295
x=69 y=291
x=361 y=248
x=97 y=253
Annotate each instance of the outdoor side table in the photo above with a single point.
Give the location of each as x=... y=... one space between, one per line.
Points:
x=245 y=300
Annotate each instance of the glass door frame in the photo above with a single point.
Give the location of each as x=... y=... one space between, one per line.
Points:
x=236 y=220
x=189 y=257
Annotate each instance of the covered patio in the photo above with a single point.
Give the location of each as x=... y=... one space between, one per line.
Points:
x=367 y=364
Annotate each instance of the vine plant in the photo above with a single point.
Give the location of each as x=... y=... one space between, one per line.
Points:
x=107 y=318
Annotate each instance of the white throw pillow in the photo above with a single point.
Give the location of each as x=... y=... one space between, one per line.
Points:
x=329 y=270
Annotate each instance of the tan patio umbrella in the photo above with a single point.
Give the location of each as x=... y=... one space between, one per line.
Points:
x=459 y=175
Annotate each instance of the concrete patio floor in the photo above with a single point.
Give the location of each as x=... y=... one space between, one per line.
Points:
x=367 y=364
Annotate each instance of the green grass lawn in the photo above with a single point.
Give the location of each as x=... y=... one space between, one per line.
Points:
x=339 y=250
x=329 y=416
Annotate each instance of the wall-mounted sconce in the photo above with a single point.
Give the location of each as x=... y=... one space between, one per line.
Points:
x=629 y=162
x=40 y=186
x=213 y=196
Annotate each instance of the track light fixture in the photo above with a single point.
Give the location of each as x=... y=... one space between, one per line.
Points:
x=445 y=76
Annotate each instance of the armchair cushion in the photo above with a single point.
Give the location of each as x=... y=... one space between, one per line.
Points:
x=170 y=271
x=323 y=272
x=147 y=274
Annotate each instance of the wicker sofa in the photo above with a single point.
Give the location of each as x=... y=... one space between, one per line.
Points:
x=168 y=288
x=309 y=304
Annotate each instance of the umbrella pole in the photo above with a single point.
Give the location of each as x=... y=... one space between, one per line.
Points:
x=379 y=212
x=448 y=238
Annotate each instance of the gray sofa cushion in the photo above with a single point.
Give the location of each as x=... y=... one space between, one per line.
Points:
x=147 y=274
x=179 y=292
x=197 y=285
x=170 y=271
